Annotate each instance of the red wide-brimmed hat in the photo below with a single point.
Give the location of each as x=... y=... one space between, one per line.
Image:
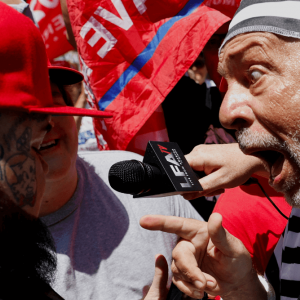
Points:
x=24 y=78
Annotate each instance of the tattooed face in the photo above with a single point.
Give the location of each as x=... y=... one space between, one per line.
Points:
x=22 y=170
x=20 y=176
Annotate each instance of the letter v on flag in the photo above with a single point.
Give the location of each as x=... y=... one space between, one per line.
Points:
x=132 y=63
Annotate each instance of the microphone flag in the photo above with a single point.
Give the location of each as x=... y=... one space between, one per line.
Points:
x=168 y=157
x=133 y=52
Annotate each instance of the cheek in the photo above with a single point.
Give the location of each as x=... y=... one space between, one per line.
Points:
x=279 y=108
x=66 y=127
x=73 y=136
x=24 y=177
x=41 y=172
x=69 y=138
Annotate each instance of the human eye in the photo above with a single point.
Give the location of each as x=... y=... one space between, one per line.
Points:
x=255 y=75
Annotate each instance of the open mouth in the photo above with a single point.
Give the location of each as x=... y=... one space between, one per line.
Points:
x=48 y=145
x=273 y=159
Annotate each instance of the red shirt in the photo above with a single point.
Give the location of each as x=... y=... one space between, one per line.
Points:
x=249 y=216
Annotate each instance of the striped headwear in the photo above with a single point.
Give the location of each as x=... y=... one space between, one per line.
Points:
x=275 y=16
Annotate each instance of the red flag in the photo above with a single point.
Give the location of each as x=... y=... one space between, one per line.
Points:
x=49 y=17
x=132 y=59
x=226 y=7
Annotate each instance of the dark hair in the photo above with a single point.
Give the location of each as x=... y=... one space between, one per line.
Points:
x=27 y=253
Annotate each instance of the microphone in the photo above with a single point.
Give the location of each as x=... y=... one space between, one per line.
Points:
x=163 y=172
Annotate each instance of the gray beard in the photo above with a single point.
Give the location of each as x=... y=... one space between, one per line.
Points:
x=246 y=139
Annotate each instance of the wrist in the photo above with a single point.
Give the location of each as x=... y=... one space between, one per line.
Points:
x=252 y=288
x=258 y=167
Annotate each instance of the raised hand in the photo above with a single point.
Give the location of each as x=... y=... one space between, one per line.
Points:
x=227 y=260
x=190 y=250
x=219 y=265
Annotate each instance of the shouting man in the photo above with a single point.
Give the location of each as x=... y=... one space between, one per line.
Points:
x=260 y=61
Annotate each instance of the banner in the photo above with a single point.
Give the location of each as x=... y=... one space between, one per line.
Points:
x=226 y=7
x=48 y=15
x=132 y=58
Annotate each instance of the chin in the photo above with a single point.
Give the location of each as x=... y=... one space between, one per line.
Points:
x=291 y=191
x=59 y=168
x=291 y=186
x=57 y=174
x=293 y=199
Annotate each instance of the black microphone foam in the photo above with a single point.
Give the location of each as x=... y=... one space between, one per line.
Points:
x=133 y=177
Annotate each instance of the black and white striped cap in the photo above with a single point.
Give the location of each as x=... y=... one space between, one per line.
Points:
x=275 y=16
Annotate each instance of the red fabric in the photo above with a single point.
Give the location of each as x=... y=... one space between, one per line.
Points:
x=163 y=9
x=61 y=63
x=24 y=78
x=143 y=94
x=50 y=20
x=223 y=87
x=226 y=7
x=249 y=216
x=69 y=110
x=153 y=130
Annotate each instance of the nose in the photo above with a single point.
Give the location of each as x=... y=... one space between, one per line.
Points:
x=50 y=124
x=236 y=111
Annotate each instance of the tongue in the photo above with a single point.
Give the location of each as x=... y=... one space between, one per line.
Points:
x=277 y=166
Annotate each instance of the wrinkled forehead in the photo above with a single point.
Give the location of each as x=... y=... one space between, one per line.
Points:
x=248 y=46
x=261 y=46
x=244 y=42
x=273 y=16
x=274 y=52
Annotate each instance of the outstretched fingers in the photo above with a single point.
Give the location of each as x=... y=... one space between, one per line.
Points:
x=186 y=272
x=222 y=239
x=188 y=253
x=189 y=229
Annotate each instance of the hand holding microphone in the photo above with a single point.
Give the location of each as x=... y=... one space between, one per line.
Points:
x=165 y=168
x=163 y=172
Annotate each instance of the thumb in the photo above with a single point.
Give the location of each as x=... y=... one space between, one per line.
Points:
x=221 y=238
x=158 y=289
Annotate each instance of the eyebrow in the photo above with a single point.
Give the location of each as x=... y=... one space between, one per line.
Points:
x=246 y=47
x=242 y=51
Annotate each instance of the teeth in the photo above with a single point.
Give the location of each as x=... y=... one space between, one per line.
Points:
x=47 y=144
